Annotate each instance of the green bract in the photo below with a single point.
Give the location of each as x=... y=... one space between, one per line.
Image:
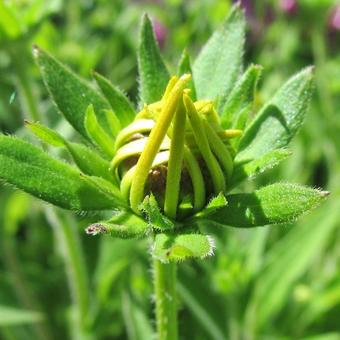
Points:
x=169 y=167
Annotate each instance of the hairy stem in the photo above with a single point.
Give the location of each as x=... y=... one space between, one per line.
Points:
x=166 y=301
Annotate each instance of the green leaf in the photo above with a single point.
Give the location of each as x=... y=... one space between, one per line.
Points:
x=32 y=170
x=207 y=309
x=124 y=224
x=241 y=98
x=120 y=104
x=255 y=167
x=219 y=63
x=154 y=216
x=136 y=318
x=279 y=120
x=87 y=160
x=273 y=204
x=10 y=25
x=184 y=67
x=171 y=247
x=97 y=134
x=214 y=204
x=71 y=94
x=10 y=316
x=287 y=260
x=153 y=73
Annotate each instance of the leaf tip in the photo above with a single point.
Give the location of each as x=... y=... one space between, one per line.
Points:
x=324 y=194
x=96 y=229
x=36 y=51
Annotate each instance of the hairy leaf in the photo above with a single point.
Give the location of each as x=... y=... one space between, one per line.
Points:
x=255 y=167
x=97 y=134
x=219 y=63
x=273 y=204
x=120 y=104
x=87 y=160
x=32 y=170
x=171 y=247
x=214 y=204
x=153 y=73
x=123 y=225
x=71 y=94
x=154 y=216
x=241 y=98
x=279 y=120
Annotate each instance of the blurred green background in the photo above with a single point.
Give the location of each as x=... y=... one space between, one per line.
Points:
x=269 y=283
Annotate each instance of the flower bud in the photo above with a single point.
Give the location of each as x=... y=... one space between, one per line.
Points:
x=175 y=149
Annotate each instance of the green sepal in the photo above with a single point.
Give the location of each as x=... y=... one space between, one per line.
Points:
x=155 y=218
x=218 y=65
x=241 y=98
x=32 y=170
x=274 y=204
x=170 y=247
x=87 y=160
x=250 y=170
x=279 y=120
x=153 y=73
x=124 y=225
x=71 y=94
x=97 y=134
x=184 y=66
x=214 y=204
x=119 y=102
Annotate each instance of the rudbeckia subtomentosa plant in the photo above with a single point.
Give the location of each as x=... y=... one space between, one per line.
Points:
x=166 y=169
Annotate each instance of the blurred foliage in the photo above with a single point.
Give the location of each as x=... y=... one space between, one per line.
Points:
x=281 y=282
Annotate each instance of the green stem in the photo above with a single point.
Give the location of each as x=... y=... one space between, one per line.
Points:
x=166 y=301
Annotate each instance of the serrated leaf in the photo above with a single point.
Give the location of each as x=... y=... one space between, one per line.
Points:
x=255 y=167
x=279 y=120
x=71 y=94
x=120 y=104
x=87 y=160
x=219 y=63
x=241 y=98
x=273 y=204
x=154 y=216
x=10 y=316
x=171 y=247
x=184 y=67
x=32 y=170
x=123 y=225
x=153 y=73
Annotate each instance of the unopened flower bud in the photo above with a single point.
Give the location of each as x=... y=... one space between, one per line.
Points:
x=175 y=149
